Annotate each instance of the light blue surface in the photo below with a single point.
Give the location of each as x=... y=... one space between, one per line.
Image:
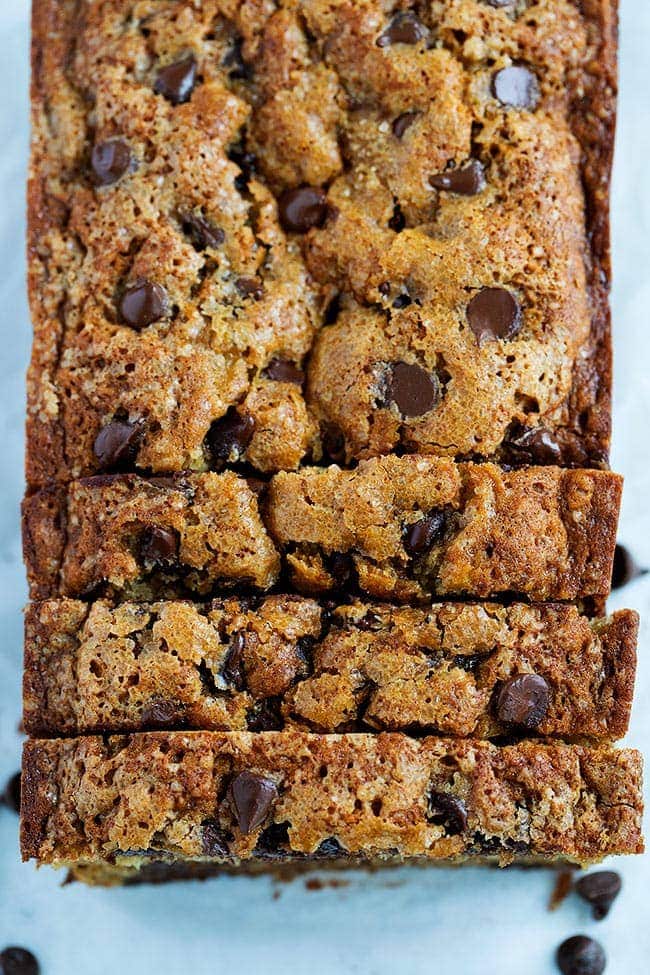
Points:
x=467 y=922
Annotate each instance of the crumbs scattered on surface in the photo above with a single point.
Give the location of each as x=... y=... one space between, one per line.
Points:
x=561 y=889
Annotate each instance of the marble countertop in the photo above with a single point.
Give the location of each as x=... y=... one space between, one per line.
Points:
x=403 y=922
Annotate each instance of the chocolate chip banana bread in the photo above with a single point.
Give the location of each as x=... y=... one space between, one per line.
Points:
x=463 y=670
x=395 y=527
x=273 y=798
x=211 y=184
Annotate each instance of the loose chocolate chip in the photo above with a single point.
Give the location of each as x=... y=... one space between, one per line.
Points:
x=163 y=714
x=516 y=86
x=110 y=160
x=201 y=232
x=18 y=961
x=159 y=545
x=465 y=181
x=421 y=535
x=404 y=28
x=343 y=570
x=403 y=122
x=412 y=389
x=581 y=956
x=448 y=811
x=534 y=445
x=252 y=796
x=284 y=371
x=250 y=288
x=302 y=208
x=600 y=889
x=228 y=438
x=11 y=794
x=523 y=701
x=232 y=670
x=176 y=81
x=116 y=445
x=624 y=569
x=494 y=313
x=214 y=839
x=143 y=303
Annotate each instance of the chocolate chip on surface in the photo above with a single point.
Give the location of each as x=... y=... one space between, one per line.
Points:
x=465 y=181
x=252 y=796
x=404 y=28
x=159 y=545
x=412 y=389
x=110 y=160
x=143 y=303
x=18 y=961
x=11 y=794
x=534 y=445
x=494 y=313
x=448 y=811
x=163 y=714
x=301 y=208
x=176 y=81
x=116 y=445
x=403 y=122
x=624 y=569
x=250 y=287
x=228 y=437
x=600 y=889
x=516 y=86
x=581 y=955
x=284 y=371
x=523 y=701
x=421 y=535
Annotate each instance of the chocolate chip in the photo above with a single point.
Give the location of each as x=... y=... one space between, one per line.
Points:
x=273 y=842
x=624 y=569
x=250 y=288
x=228 y=438
x=116 y=445
x=18 y=961
x=330 y=849
x=421 y=535
x=234 y=61
x=581 y=955
x=252 y=796
x=334 y=443
x=448 y=811
x=412 y=389
x=522 y=701
x=201 y=232
x=159 y=545
x=403 y=122
x=110 y=160
x=516 y=86
x=600 y=889
x=302 y=208
x=233 y=671
x=404 y=28
x=143 y=303
x=465 y=181
x=534 y=445
x=265 y=715
x=163 y=714
x=494 y=313
x=398 y=221
x=284 y=371
x=341 y=567
x=402 y=301
x=214 y=839
x=11 y=794
x=176 y=81
x=246 y=162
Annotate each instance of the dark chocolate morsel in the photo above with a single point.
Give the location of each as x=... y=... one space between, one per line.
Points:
x=249 y=287
x=228 y=437
x=465 y=181
x=534 y=445
x=404 y=28
x=522 y=701
x=214 y=839
x=581 y=955
x=448 y=811
x=301 y=208
x=159 y=713
x=11 y=794
x=273 y=842
x=419 y=536
x=494 y=313
x=18 y=961
x=110 y=160
x=624 y=569
x=233 y=671
x=516 y=86
x=284 y=371
x=403 y=122
x=412 y=389
x=159 y=545
x=176 y=81
x=252 y=797
x=600 y=889
x=201 y=232
x=143 y=303
x=116 y=445
x=342 y=568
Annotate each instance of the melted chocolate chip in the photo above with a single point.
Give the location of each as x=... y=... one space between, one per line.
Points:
x=110 y=160
x=284 y=371
x=250 y=288
x=600 y=889
x=581 y=956
x=403 y=122
x=176 y=81
x=448 y=811
x=214 y=839
x=159 y=545
x=404 y=28
x=233 y=670
x=301 y=208
x=228 y=438
x=201 y=232
x=334 y=444
x=265 y=715
x=252 y=797
x=273 y=842
x=516 y=86
x=341 y=567
x=412 y=389
x=624 y=569
x=534 y=445
x=522 y=701
x=11 y=794
x=466 y=181
x=421 y=535
x=18 y=961
x=163 y=714
x=398 y=221
x=494 y=313
x=143 y=303
x=116 y=445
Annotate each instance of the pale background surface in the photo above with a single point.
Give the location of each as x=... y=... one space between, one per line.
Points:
x=465 y=922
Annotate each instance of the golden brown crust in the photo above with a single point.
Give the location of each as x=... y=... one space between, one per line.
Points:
x=282 y=662
x=143 y=797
